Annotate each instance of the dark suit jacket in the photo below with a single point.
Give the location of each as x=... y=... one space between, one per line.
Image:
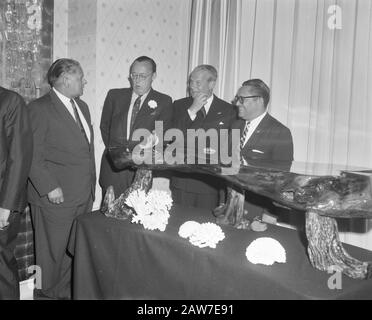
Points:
x=270 y=145
x=221 y=115
x=114 y=128
x=62 y=157
x=15 y=150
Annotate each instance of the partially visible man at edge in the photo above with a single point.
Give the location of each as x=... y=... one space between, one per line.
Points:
x=15 y=163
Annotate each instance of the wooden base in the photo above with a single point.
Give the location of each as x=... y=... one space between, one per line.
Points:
x=326 y=251
x=322 y=197
x=232 y=212
x=116 y=208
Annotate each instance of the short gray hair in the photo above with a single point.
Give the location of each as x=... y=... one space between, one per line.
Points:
x=207 y=67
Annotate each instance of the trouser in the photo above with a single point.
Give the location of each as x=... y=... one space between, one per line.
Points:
x=52 y=231
x=9 y=280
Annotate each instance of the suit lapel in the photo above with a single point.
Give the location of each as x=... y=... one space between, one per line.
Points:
x=86 y=115
x=213 y=110
x=257 y=134
x=144 y=111
x=64 y=115
x=123 y=105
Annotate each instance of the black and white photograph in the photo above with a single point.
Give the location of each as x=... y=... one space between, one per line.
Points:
x=193 y=152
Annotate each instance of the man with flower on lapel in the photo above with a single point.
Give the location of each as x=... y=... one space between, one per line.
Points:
x=202 y=110
x=126 y=110
x=62 y=176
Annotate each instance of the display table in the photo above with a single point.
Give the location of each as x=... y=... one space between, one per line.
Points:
x=115 y=259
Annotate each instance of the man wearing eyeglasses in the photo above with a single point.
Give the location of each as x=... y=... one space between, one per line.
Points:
x=126 y=110
x=265 y=142
x=201 y=111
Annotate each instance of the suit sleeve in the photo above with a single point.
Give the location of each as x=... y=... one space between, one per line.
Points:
x=167 y=114
x=283 y=150
x=106 y=119
x=175 y=116
x=19 y=157
x=181 y=119
x=41 y=178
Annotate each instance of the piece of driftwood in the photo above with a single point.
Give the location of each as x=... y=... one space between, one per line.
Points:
x=322 y=197
x=117 y=208
x=326 y=251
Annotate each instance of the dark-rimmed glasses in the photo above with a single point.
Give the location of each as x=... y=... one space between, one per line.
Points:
x=241 y=98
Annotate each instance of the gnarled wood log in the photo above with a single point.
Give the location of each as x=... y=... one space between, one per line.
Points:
x=232 y=212
x=116 y=208
x=326 y=251
x=322 y=197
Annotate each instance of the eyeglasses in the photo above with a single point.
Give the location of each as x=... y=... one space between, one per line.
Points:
x=241 y=98
x=139 y=76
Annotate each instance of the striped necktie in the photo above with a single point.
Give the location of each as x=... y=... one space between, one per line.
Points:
x=78 y=120
x=244 y=135
x=136 y=109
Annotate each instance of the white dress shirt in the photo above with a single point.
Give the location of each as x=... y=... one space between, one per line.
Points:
x=207 y=106
x=129 y=116
x=66 y=102
x=253 y=125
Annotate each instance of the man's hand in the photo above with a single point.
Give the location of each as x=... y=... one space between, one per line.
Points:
x=4 y=215
x=151 y=141
x=56 y=196
x=200 y=100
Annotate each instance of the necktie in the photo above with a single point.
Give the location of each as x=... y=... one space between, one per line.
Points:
x=202 y=113
x=78 y=120
x=244 y=135
x=136 y=108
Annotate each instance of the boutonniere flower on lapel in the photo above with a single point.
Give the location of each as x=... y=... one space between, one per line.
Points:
x=152 y=104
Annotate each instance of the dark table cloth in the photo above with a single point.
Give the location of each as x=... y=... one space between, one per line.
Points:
x=115 y=259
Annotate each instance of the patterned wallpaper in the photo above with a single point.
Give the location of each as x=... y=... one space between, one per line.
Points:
x=60 y=27
x=105 y=36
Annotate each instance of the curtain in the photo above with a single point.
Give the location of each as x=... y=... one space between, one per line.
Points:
x=318 y=64
x=214 y=39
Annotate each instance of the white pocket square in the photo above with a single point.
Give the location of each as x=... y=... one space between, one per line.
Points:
x=221 y=123
x=219 y=112
x=258 y=151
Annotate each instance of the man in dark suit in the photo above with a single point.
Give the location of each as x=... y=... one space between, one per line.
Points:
x=15 y=163
x=62 y=173
x=265 y=142
x=129 y=109
x=203 y=110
